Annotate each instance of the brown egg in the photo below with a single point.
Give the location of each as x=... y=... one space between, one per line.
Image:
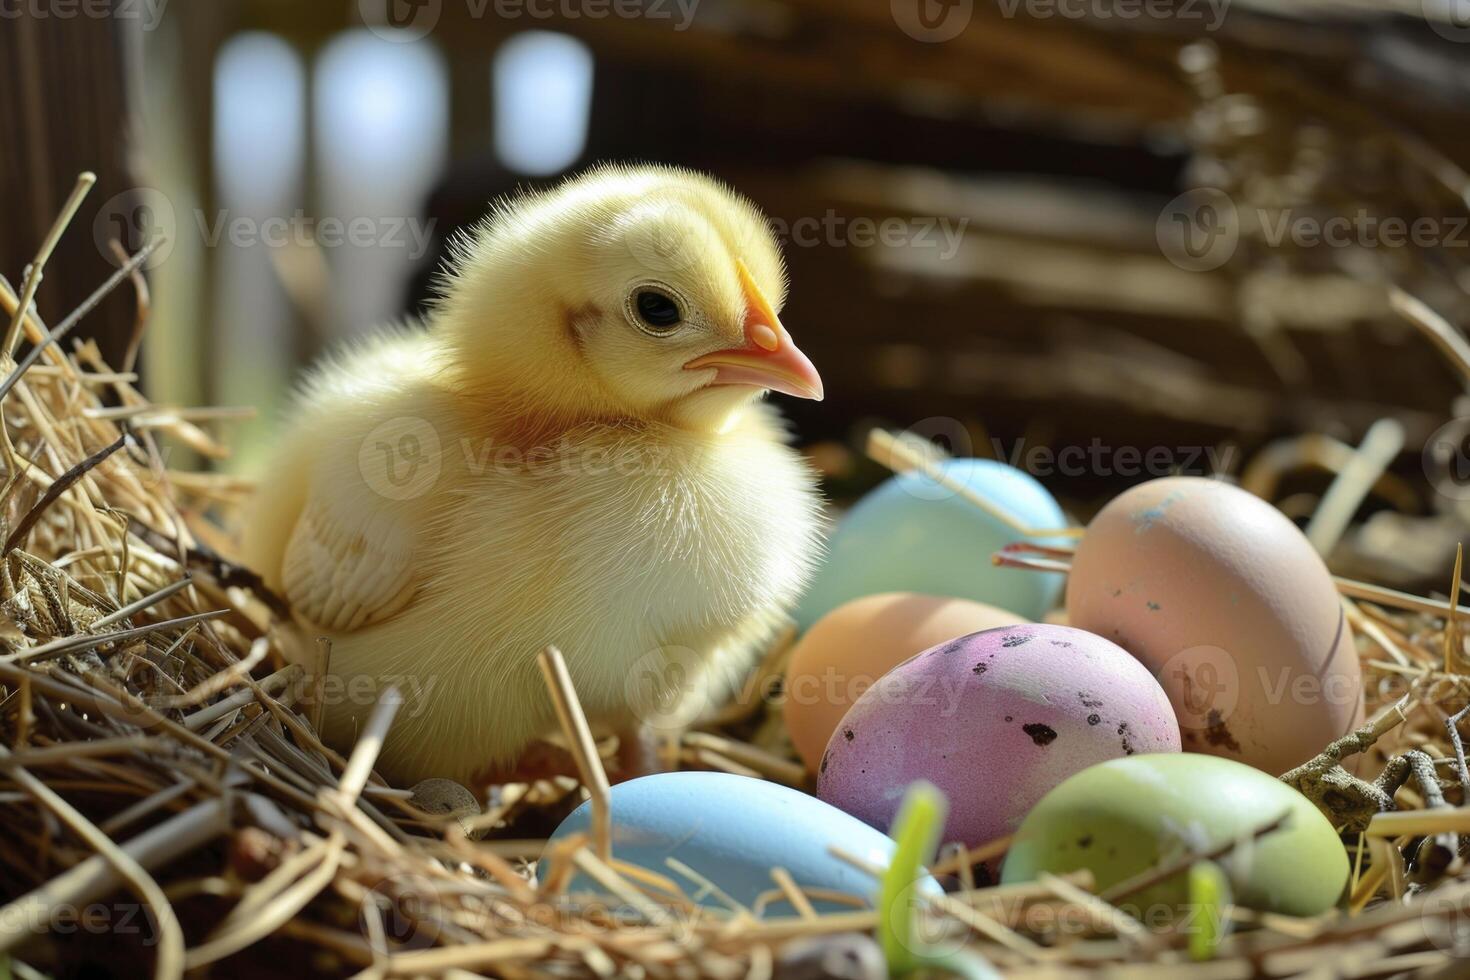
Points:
x=852 y=646
x=1223 y=598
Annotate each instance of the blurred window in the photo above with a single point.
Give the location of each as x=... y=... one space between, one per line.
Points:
x=381 y=139
x=542 y=89
x=259 y=152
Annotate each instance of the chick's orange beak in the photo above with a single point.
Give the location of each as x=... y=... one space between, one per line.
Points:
x=769 y=359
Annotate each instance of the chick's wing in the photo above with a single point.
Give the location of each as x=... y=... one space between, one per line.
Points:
x=347 y=565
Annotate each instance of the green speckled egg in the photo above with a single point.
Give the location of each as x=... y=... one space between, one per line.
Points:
x=1125 y=816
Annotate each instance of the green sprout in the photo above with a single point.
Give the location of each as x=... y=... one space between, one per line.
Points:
x=916 y=832
x=1209 y=895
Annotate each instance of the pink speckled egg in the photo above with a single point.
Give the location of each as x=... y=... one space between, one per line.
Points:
x=995 y=720
x=858 y=642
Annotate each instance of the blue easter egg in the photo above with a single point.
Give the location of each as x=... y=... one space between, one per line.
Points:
x=913 y=535
x=733 y=830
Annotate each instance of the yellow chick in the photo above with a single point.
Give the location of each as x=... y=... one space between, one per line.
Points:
x=574 y=450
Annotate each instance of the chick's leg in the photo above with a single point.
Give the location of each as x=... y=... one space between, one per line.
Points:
x=639 y=754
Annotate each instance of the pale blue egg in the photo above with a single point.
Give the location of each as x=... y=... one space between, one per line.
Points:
x=733 y=830
x=913 y=535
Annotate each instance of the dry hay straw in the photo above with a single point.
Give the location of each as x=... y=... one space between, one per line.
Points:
x=167 y=806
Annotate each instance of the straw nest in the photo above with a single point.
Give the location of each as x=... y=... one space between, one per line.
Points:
x=168 y=806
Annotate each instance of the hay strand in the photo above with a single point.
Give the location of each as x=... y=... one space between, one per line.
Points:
x=584 y=748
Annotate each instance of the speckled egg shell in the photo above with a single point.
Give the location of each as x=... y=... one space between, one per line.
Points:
x=1226 y=602
x=912 y=535
x=995 y=720
x=733 y=830
x=1123 y=817
x=852 y=646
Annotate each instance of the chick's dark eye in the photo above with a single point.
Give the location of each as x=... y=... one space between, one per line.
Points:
x=657 y=310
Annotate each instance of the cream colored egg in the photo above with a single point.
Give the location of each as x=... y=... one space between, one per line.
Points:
x=1223 y=598
x=852 y=646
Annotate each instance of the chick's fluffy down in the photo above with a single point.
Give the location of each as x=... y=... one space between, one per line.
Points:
x=441 y=541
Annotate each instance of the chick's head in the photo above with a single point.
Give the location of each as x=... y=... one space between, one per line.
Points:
x=643 y=292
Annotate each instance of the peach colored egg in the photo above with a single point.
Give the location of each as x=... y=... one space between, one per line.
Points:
x=1223 y=598
x=858 y=642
